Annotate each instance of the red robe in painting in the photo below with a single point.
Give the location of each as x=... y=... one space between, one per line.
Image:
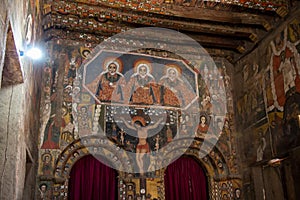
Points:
x=279 y=74
x=175 y=93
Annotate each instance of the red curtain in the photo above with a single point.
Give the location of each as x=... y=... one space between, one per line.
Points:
x=92 y=180
x=185 y=180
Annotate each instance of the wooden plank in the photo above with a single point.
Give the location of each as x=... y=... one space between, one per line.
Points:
x=220 y=16
x=65 y=35
x=217 y=41
x=145 y=20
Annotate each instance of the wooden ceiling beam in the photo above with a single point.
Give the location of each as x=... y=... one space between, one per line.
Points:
x=94 y=39
x=161 y=6
x=199 y=13
x=223 y=32
x=89 y=11
x=217 y=41
x=221 y=16
x=114 y=28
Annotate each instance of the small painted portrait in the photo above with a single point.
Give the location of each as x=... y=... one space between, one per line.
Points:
x=237 y=193
x=43 y=189
x=203 y=125
x=47 y=164
x=130 y=187
x=84 y=121
x=85 y=52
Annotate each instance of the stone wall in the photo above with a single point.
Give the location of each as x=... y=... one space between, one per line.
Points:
x=3 y=33
x=19 y=97
x=267 y=88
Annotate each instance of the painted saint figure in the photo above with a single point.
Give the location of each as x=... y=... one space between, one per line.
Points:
x=114 y=131
x=110 y=84
x=52 y=132
x=122 y=134
x=289 y=74
x=43 y=191
x=261 y=147
x=142 y=147
x=84 y=121
x=169 y=134
x=47 y=164
x=157 y=141
x=203 y=126
x=142 y=86
x=173 y=91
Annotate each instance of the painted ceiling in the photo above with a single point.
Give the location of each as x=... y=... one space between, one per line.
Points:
x=228 y=29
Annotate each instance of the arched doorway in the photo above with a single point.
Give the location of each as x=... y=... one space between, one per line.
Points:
x=185 y=179
x=91 y=179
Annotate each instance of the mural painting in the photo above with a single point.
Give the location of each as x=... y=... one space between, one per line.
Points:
x=148 y=80
x=44 y=191
x=120 y=103
x=284 y=69
x=268 y=104
x=291 y=120
x=134 y=94
x=252 y=101
x=282 y=80
x=273 y=97
x=262 y=142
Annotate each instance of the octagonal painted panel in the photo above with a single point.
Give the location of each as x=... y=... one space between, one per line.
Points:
x=133 y=79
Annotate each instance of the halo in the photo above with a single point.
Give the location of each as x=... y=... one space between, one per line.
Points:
x=46 y=154
x=140 y=119
x=174 y=66
x=113 y=59
x=142 y=61
x=83 y=50
x=43 y=184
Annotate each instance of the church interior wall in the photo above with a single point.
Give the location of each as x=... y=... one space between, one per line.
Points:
x=20 y=97
x=40 y=141
x=67 y=136
x=267 y=114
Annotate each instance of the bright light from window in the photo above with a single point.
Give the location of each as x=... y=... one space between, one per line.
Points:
x=34 y=53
